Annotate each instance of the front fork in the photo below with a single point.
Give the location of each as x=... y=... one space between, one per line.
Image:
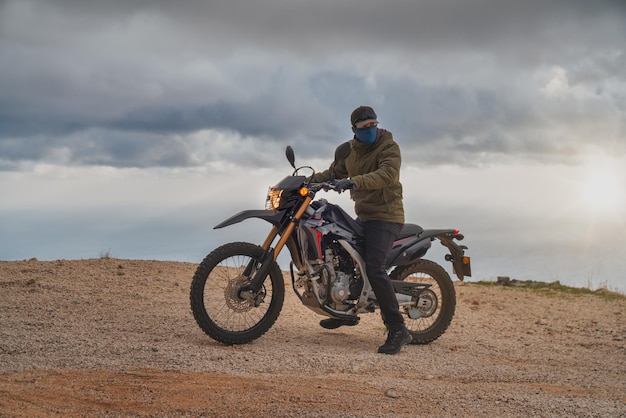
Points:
x=271 y=254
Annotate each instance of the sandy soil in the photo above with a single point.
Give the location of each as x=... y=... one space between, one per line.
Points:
x=110 y=337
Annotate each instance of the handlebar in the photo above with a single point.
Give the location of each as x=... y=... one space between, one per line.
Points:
x=326 y=186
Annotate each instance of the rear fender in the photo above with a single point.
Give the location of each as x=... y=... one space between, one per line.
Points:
x=409 y=249
x=446 y=237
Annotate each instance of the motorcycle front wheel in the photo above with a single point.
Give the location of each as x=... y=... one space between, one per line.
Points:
x=217 y=304
x=432 y=313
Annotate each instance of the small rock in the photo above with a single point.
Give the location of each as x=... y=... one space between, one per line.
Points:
x=391 y=393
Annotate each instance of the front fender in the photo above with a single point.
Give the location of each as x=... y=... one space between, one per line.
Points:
x=272 y=216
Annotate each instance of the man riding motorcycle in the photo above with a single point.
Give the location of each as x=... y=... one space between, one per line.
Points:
x=372 y=174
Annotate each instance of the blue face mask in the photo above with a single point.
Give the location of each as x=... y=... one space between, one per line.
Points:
x=365 y=135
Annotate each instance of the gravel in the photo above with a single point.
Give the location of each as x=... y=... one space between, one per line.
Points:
x=112 y=337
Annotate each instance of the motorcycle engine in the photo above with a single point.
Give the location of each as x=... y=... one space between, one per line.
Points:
x=345 y=279
x=340 y=290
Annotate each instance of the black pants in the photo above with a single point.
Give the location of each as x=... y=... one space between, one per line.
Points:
x=379 y=237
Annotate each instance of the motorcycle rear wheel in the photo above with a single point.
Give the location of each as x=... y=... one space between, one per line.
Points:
x=215 y=300
x=440 y=300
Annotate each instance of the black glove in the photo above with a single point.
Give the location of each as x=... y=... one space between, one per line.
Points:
x=343 y=184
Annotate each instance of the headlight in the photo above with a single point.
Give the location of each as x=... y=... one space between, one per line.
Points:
x=273 y=198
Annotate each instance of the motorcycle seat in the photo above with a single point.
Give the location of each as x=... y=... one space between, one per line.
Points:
x=409 y=230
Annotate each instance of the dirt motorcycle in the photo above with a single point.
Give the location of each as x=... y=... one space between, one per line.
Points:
x=237 y=291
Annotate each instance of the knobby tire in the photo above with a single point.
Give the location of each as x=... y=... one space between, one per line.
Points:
x=217 y=309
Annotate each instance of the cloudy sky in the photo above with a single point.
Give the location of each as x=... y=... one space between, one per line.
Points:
x=132 y=127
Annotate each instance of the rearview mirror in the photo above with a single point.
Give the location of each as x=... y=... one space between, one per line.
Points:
x=290 y=156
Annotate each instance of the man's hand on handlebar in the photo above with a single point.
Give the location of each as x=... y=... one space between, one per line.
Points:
x=343 y=184
x=338 y=186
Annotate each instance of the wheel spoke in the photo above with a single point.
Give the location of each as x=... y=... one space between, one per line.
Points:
x=423 y=323
x=222 y=301
x=429 y=317
x=216 y=300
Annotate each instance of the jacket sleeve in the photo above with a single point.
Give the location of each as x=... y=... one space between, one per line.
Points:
x=387 y=173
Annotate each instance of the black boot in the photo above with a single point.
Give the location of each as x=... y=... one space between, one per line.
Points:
x=397 y=336
x=332 y=323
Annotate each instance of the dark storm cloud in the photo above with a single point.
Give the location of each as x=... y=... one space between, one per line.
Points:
x=131 y=83
x=362 y=24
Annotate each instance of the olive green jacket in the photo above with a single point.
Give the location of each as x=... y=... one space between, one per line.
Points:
x=375 y=170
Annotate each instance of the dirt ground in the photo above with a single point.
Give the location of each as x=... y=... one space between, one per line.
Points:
x=109 y=337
